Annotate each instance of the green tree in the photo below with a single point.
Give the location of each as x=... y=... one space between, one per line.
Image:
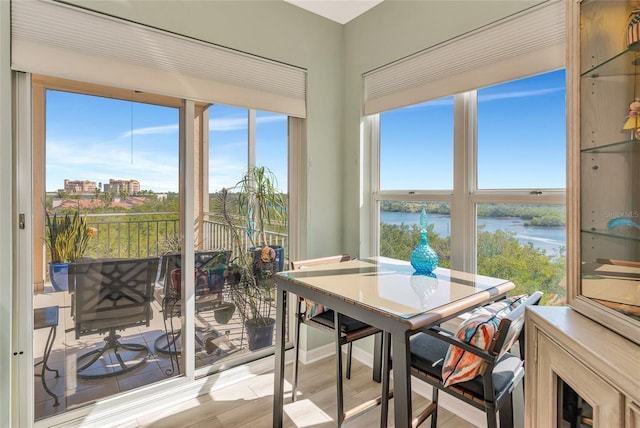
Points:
x=500 y=255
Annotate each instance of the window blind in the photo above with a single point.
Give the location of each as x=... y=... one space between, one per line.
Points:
x=59 y=40
x=523 y=44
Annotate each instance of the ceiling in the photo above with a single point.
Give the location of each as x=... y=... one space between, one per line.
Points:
x=341 y=11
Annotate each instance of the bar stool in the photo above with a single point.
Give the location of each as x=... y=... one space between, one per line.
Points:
x=47 y=318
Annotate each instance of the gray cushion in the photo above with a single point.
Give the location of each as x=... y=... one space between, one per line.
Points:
x=427 y=355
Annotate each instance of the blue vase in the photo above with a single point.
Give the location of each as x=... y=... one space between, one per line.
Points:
x=59 y=275
x=424 y=259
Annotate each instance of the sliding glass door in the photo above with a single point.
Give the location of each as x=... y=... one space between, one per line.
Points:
x=113 y=310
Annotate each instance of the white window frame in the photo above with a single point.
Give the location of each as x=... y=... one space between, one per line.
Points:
x=465 y=196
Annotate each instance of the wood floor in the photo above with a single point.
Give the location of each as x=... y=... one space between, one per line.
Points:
x=248 y=404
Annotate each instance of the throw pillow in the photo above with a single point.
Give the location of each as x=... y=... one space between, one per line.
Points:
x=313 y=309
x=478 y=330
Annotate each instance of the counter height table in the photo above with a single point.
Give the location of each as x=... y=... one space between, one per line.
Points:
x=387 y=294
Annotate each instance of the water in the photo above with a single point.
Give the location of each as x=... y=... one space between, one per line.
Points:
x=550 y=239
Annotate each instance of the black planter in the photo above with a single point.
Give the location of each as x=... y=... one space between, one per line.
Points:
x=260 y=335
x=224 y=312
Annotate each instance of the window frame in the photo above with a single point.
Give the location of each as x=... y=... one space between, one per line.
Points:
x=465 y=196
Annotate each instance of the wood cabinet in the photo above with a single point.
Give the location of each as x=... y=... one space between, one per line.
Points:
x=603 y=187
x=593 y=344
x=600 y=365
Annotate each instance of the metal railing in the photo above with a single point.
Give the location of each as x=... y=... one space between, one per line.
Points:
x=146 y=237
x=220 y=235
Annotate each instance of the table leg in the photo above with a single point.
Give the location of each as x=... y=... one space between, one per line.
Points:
x=401 y=380
x=339 y=389
x=278 y=381
x=386 y=358
x=377 y=357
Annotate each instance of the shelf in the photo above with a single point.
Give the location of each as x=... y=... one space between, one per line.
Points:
x=622 y=64
x=606 y=234
x=625 y=146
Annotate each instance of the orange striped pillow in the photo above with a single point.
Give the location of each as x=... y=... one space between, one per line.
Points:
x=478 y=330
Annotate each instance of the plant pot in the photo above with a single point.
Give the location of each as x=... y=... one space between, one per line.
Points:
x=201 y=280
x=260 y=335
x=276 y=265
x=59 y=275
x=224 y=312
x=176 y=280
x=216 y=280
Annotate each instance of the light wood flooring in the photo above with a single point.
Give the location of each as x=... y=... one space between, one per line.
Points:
x=248 y=404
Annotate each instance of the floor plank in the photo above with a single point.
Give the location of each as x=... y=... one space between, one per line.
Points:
x=248 y=404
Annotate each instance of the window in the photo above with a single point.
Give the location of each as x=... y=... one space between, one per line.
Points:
x=511 y=193
x=416 y=146
x=400 y=234
x=519 y=125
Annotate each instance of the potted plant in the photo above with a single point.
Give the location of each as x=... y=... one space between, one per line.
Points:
x=257 y=200
x=67 y=239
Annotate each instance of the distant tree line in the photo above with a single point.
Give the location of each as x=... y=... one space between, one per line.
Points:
x=533 y=215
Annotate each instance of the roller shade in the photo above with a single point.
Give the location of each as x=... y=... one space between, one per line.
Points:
x=524 y=44
x=59 y=40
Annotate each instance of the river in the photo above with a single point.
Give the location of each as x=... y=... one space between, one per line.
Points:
x=550 y=239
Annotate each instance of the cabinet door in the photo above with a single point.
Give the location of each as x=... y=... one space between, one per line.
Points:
x=604 y=157
x=554 y=363
x=632 y=415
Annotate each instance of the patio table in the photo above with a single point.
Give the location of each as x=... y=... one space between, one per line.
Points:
x=387 y=294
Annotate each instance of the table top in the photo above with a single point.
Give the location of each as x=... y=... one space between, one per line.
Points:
x=392 y=287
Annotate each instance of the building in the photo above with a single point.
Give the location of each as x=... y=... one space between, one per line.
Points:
x=79 y=187
x=132 y=187
x=331 y=208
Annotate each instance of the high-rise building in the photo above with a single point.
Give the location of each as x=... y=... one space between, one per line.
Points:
x=116 y=186
x=79 y=186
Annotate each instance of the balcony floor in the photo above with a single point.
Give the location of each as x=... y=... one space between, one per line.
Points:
x=74 y=392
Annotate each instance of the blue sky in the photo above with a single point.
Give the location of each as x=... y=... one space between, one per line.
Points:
x=94 y=138
x=521 y=140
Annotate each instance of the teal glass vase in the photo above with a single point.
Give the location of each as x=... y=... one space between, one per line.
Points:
x=424 y=259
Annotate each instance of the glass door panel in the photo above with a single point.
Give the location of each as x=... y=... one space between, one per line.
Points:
x=108 y=192
x=223 y=303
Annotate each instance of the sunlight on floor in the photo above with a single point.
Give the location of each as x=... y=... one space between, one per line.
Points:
x=304 y=413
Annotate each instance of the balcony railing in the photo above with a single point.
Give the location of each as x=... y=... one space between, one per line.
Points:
x=150 y=234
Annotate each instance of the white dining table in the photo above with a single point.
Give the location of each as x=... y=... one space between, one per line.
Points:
x=385 y=293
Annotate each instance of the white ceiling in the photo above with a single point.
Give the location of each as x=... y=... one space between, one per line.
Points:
x=341 y=11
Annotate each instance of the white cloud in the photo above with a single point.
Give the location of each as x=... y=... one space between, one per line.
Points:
x=152 y=130
x=218 y=124
x=519 y=94
x=483 y=98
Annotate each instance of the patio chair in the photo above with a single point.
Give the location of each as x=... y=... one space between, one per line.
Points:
x=207 y=297
x=314 y=315
x=112 y=295
x=474 y=364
